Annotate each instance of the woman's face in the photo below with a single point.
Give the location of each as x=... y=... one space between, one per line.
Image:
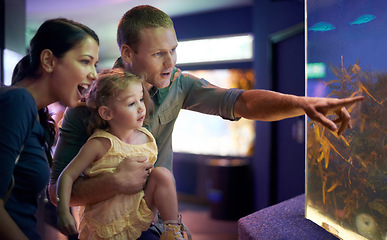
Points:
x=74 y=72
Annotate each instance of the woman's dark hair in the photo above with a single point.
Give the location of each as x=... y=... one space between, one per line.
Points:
x=59 y=35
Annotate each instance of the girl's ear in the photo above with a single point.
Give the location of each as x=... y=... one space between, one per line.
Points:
x=105 y=113
x=47 y=60
x=126 y=53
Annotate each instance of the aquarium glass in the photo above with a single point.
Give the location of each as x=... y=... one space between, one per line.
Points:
x=346 y=176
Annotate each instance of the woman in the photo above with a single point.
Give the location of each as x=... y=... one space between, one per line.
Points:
x=60 y=65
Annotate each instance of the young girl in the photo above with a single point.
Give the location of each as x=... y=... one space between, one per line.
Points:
x=60 y=64
x=119 y=102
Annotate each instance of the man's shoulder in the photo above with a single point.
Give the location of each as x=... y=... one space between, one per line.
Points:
x=184 y=80
x=78 y=116
x=79 y=111
x=183 y=75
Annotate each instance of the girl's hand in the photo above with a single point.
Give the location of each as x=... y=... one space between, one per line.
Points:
x=156 y=217
x=67 y=224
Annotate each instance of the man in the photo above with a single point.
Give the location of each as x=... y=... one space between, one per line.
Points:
x=147 y=41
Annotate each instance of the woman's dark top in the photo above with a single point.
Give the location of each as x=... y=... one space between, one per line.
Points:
x=19 y=126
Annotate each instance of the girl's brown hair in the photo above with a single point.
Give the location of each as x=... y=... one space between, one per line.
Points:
x=104 y=91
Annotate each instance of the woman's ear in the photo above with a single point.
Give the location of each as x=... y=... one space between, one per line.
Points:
x=47 y=60
x=105 y=113
x=126 y=53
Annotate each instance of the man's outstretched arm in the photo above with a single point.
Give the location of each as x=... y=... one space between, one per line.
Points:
x=264 y=105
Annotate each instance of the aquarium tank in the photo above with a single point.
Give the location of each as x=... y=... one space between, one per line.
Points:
x=346 y=176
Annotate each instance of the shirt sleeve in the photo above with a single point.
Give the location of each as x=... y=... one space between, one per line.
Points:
x=18 y=113
x=72 y=135
x=207 y=98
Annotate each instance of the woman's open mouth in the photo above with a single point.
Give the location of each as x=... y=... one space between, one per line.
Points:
x=83 y=88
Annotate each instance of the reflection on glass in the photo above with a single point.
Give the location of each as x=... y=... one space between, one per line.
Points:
x=218 y=49
x=211 y=135
x=11 y=58
x=346 y=175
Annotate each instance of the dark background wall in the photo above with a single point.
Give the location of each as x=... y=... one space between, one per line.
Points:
x=2 y=38
x=12 y=28
x=278 y=161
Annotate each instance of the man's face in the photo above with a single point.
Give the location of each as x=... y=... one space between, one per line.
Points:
x=155 y=56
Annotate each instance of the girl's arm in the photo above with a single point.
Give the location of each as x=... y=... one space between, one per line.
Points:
x=92 y=150
x=129 y=178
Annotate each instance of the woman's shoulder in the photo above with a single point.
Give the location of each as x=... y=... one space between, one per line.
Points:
x=15 y=93
x=18 y=108
x=17 y=98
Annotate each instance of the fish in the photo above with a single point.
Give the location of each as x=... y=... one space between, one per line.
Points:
x=322 y=27
x=363 y=19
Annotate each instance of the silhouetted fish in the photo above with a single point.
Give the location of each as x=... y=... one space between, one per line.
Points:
x=322 y=27
x=363 y=19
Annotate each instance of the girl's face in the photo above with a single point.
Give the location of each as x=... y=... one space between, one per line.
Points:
x=74 y=72
x=128 y=112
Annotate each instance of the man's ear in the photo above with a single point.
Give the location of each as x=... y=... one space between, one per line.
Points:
x=105 y=113
x=47 y=60
x=126 y=53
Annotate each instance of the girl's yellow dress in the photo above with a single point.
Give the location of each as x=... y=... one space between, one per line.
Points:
x=122 y=216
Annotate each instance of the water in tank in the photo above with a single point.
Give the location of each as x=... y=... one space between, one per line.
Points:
x=346 y=176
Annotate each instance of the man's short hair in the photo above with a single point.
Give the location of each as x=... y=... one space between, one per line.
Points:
x=137 y=18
